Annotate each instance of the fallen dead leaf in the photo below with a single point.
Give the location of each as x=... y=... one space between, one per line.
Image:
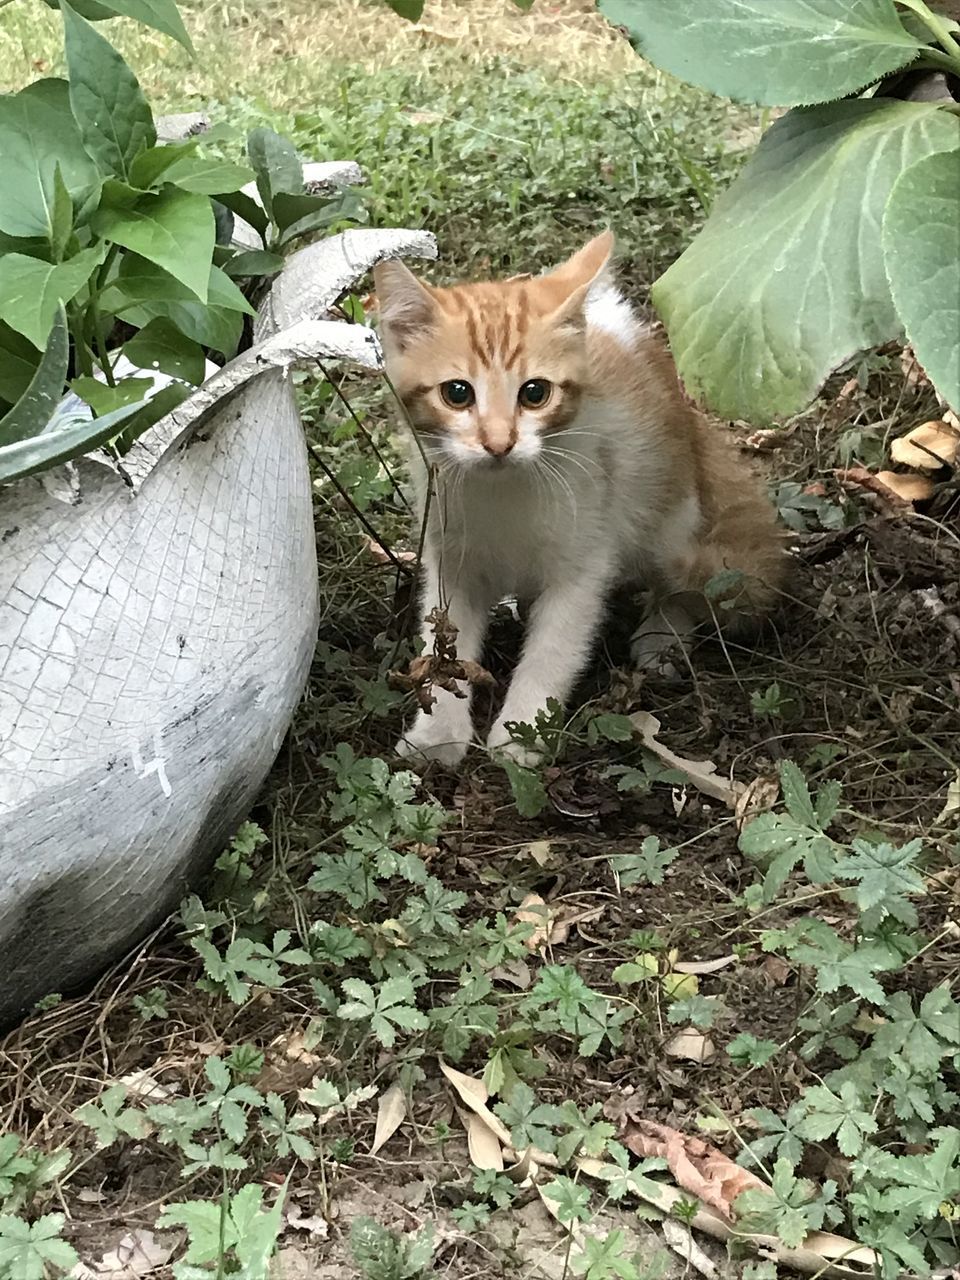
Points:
x=951 y=810
x=758 y=796
x=681 y=1241
x=697 y=1166
x=540 y=851
x=483 y=1145
x=912 y=369
x=139 y=1253
x=379 y=553
x=142 y=1085
x=516 y=972
x=474 y=1095
x=702 y=773
x=928 y=447
x=692 y=1045
x=776 y=972
x=315 y=1225
x=899 y=491
x=822 y=1254
x=391 y=1113
x=534 y=911
x=704 y=966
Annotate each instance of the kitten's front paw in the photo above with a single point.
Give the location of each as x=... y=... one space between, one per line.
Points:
x=439 y=737
x=499 y=743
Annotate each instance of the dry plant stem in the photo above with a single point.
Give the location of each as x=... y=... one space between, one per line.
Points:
x=338 y=391
x=387 y=551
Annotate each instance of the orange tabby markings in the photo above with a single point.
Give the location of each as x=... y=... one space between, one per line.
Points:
x=570 y=463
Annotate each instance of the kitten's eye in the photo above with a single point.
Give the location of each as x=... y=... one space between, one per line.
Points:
x=457 y=394
x=535 y=393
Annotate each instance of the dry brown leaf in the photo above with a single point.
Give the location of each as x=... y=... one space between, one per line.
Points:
x=534 y=911
x=292 y=1264
x=391 y=1113
x=697 y=1166
x=776 y=972
x=928 y=447
x=912 y=369
x=704 y=966
x=379 y=553
x=822 y=1254
x=474 y=1095
x=758 y=796
x=702 y=773
x=540 y=851
x=315 y=1226
x=692 y=1045
x=516 y=972
x=896 y=490
x=147 y=1088
x=484 y=1146
x=951 y=809
x=139 y=1253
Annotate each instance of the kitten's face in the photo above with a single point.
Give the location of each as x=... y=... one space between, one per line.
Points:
x=488 y=372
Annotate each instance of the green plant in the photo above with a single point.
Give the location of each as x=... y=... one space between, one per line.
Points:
x=385 y=1255
x=854 y=183
x=235 y=1236
x=114 y=245
x=28 y=1250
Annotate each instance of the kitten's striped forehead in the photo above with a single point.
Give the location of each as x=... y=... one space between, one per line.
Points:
x=495 y=317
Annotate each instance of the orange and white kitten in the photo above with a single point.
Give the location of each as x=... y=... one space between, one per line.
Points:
x=566 y=462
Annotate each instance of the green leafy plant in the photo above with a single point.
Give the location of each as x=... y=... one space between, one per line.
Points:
x=855 y=183
x=114 y=245
x=34 y=1250
x=385 y=1255
x=234 y=1236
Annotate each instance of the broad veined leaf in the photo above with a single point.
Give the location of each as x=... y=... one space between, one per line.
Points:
x=207 y=177
x=60 y=443
x=104 y=399
x=115 y=122
x=162 y=15
x=38 y=134
x=921 y=250
x=31 y=290
x=276 y=164
x=61 y=216
x=160 y=345
x=253 y=262
x=142 y=292
x=174 y=229
x=149 y=167
x=245 y=207
x=781 y=53
x=37 y=405
x=18 y=363
x=787 y=278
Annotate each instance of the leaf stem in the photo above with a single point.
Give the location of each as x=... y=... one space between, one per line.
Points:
x=935 y=23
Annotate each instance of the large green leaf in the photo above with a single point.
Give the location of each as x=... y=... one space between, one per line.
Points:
x=116 y=123
x=207 y=177
x=276 y=164
x=174 y=229
x=921 y=247
x=36 y=406
x=37 y=134
x=162 y=15
x=150 y=165
x=773 y=52
x=161 y=345
x=142 y=292
x=18 y=363
x=104 y=399
x=787 y=279
x=57 y=444
x=31 y=291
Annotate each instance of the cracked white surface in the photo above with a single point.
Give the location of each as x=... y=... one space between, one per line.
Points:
x=154 y=642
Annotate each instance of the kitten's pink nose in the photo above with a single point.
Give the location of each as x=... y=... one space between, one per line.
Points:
x=498 y=448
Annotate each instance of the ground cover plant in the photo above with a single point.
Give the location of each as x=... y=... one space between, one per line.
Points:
x=621 y=953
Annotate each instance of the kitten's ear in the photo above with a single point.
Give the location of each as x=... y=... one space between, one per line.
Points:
x=577 y=278
x=406 y=306
x=588 y=265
